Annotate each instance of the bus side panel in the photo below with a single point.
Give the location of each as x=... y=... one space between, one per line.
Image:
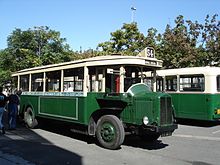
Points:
x=70 y=109
x=62 y=107
x=191 y=106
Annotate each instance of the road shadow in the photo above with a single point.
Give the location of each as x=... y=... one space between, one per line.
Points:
x=35 y=149
x=135 y=141
x=63 y=128
x=198 y=123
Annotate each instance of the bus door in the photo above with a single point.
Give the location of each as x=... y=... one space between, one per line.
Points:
x=113 y=81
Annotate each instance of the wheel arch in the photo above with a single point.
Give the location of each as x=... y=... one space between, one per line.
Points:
x=31 y=120
x=97 y=115
x=24 y=108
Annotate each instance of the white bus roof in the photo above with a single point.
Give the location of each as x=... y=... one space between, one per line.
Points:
x=96 y=61
x=189 y=71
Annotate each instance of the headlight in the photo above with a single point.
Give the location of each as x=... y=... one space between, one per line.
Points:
x=145 y=120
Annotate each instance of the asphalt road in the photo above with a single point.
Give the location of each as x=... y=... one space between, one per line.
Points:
x=191 y=144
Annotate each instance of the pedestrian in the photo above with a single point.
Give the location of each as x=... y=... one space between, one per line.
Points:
x=14 y=101
x=3 y=101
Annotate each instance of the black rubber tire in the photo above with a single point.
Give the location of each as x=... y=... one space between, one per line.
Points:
x=110 y=132
x=29 y=118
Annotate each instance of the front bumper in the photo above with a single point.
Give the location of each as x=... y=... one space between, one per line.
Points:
x=162 y=130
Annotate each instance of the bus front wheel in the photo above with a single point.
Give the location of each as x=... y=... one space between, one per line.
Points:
x=110 y=132
x=29 y=118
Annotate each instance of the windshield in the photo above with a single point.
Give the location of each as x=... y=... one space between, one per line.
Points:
x=139 y=88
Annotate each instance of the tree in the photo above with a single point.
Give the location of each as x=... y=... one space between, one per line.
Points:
x=50 y=46
x=39 y=46
x=127 y=40
x=190 y=43
x=177 y=48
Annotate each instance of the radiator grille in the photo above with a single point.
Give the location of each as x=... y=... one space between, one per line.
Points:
x=165 y=110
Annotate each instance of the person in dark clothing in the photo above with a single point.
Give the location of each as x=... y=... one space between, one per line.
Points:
x=14 y=101
x=3 y=101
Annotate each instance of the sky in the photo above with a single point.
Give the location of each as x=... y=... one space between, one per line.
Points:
x=86 y=23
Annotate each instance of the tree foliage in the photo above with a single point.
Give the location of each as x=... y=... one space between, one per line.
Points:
x=177 y=47
x=34 y=47
x=128 y=40
x=190 y=43
x=4 y=73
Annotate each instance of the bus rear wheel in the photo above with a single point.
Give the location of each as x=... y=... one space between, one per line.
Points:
x=29 y=118
x=110 y=132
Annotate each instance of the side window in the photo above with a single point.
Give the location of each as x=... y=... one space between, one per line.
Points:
x=37 y=82
x=24 y=82
x=73 y=80
x=160 y=86
x=95 y=79
x=192 y=83
x=171 y=83
x=78 y=79
x=53 y=81
x=132 y=76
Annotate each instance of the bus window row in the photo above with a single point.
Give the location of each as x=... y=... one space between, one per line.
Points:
x=109 y=79
x=183 y=83
x=72 y=81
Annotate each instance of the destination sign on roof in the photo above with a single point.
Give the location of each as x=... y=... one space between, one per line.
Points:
x=147 y=52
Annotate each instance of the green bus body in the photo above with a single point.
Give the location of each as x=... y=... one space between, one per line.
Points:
x=108 y=98
x=131 y=109
x=196 y=106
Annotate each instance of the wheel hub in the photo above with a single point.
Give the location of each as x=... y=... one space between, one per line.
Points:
x=107 y=132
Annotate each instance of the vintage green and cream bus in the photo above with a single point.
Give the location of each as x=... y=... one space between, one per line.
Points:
x=103 y=96
x=195 y=91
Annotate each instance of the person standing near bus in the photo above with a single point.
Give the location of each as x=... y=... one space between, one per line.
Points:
x=3 y=101
x=14 y=101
